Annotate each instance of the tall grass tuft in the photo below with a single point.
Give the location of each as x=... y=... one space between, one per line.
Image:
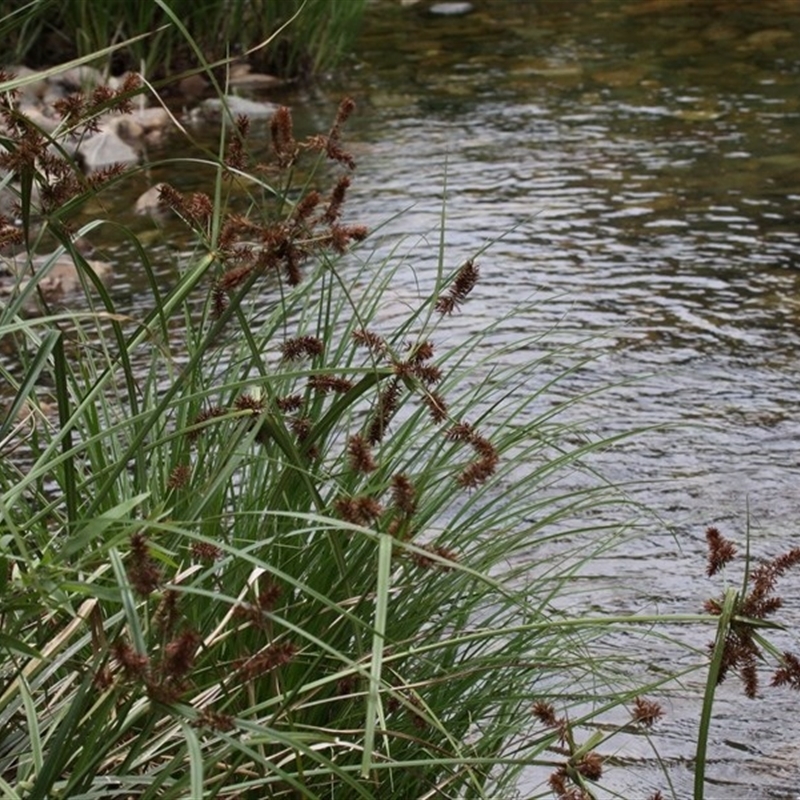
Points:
x=263 y=541
x=59 y=31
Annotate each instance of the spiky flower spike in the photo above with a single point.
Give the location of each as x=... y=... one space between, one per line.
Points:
x=720 y=551
x=464 y=283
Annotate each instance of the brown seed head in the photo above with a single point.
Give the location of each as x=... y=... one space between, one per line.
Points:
x=789 y=673
x=144 y=573
x=545 y=713
x=133 y=665
x=205 y=551
x=360 y=454
x=646 y=712
x=300 y=346
x=404 y=494
x=463 y=284
x=329 y=383
x=591 y=766
x=179 y=654
x=179 y=477
x=272 y=657
x=720 y=551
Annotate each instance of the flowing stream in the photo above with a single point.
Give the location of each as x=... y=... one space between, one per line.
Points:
x=641 y=161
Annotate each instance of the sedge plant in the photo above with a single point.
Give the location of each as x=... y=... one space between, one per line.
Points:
x=262 y=540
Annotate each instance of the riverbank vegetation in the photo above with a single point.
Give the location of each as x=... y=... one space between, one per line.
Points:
x=164 y=39
x=288 y=532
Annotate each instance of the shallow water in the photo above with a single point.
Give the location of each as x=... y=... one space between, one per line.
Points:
x=638 y=164
x=641 y=161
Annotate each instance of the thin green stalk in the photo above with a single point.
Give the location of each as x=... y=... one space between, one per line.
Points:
x=374 y=711
x=723 y=629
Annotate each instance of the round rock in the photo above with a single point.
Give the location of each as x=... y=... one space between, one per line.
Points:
x=451 y=9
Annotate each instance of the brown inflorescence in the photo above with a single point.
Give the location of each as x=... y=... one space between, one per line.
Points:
x=205 y=551
x=437 y=407
x=134 y=665
x=429 y=374
x=720 y=551
x=329 y=383
x=460 y=432
x=479 y=471
x=291 y=402
x=301 y=427
x=334 y=209
x=200 y=209
x=360 y=454
x=385 y=409
x=545 y=713
x=763 y=579
x=166 y=615
x=330 y=144
x=269 y=595
x=219 y=301
x=199 y=425
x=646 y=712
x=301 y=347
x=361 y=510
x=236 y=155
x=179 y=477
x=404 y=496
x=10 y=234
x=232 y=279
x=273 y=656
x=306 y=206
x=284 y=145
x=421 y=351
x=366 y=338
x=463 y=284
x=249 y=402
x=340 y=237
x=179 y=654
x=214 y=720
x=590 y=766
x=789 y=673
x=169 y=197
x=426 y=562
x=143 y=571
x=103 y=679
x=741 y=649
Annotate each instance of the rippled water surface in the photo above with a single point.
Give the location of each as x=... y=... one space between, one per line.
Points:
x=641 y=161
x=638 y=164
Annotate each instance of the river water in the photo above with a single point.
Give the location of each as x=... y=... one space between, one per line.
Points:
x=638 y=164
x=642 y=161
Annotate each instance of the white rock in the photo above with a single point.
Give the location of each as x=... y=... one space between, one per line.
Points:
x=147 y=203
x=212 y=108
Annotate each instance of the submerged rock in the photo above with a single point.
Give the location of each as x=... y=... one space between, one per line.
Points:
x=450 y=9
x=213 y=108
x=241 y=76
x=122 y=138
x=147 y=204
x=55 y=273
x=108 y=146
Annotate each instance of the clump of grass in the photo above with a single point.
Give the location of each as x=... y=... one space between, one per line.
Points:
x=268 y=551
x=155 y=33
